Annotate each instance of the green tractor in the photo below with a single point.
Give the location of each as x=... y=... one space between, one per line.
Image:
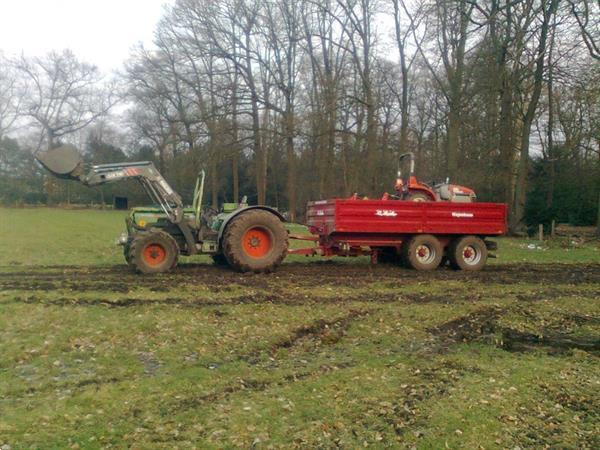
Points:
x=247 y=238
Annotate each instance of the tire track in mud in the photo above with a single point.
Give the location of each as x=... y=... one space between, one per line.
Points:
x=120 y=279
x=256 y=299
x=455 y=296
x=321 y=332
x=483 y=325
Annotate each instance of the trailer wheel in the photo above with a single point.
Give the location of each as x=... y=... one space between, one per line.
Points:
x=255 y=241
x=153 y=252
x=422 y=252
x=467 y=253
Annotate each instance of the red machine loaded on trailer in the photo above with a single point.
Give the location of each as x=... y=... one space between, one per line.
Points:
x=416 y=231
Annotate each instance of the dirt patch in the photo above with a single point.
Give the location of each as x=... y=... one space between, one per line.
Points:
x=470 y=327
x=482 y=326
x=324 y=331
x=258 y=298
x=217 y=279
x=513 y=340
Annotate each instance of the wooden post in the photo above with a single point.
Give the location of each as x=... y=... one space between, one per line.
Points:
x=553 y=229
x=541 y=232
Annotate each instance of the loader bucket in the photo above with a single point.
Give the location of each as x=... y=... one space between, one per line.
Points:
x=63 y=162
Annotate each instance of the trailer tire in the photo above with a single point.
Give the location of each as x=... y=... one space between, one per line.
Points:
x=467 y=253
x=153 y=251
x=255 y=241
x=422 y=252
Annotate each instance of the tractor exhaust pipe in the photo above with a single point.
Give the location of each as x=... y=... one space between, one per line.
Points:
x=63 y=162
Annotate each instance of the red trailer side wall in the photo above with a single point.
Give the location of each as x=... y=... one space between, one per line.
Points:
x=403 y=217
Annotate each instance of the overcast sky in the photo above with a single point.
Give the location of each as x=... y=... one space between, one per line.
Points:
x=101 y=32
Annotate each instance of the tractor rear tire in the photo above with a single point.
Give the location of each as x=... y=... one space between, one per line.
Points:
x=467 y=253
x=255 y=241
x=153 y=251
x=422 y=252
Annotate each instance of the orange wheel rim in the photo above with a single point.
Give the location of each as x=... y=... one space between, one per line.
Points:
x=257 y=242
x=154 y=254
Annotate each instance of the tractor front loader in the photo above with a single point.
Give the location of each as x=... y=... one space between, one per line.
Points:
x=248 y=238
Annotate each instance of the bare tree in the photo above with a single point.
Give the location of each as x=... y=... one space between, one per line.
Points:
x=403 y=29
x=358 y=17
x=281 y=27
x=548 y=9
x=327 y=52
x=587 y=15
x=64 y=94
x=11 y=97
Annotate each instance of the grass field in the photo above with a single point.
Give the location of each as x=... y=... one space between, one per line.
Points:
x=320 y=354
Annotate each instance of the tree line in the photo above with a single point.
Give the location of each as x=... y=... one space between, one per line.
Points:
x=294 y=101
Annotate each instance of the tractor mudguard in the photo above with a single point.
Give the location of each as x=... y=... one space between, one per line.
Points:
x=242 y=210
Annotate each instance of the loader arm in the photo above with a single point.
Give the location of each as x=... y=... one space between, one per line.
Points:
x=148 y=176
x=66 y=162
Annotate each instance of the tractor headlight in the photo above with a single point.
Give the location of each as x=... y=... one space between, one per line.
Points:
x=123 y=238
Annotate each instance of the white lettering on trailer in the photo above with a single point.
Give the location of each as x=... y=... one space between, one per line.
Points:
x=462 y=214
x=320 y=202
x=386 y=213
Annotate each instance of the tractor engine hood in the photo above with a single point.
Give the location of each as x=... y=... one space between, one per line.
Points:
x=63 y=162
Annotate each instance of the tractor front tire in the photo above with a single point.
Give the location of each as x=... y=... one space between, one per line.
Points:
x=422 y=252
x=153 y=251
x=255 y=241
x=467 y=253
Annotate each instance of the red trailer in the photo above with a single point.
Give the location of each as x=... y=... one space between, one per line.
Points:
x=419 y=234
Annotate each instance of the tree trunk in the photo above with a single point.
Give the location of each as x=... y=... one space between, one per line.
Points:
x=551 y=167
x=404 y=71
x=235 y=175
x=214 y=180
x=452 y=143
x=507 y=143
x=291 y=160
x=521 y=182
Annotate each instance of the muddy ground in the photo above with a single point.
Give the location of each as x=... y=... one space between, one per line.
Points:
x=218 y=279
x=313 y=355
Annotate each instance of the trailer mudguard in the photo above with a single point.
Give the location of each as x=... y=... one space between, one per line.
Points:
x=234 y=214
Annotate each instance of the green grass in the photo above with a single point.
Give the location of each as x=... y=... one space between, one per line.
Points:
x=48 y=236
x=338 y=354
